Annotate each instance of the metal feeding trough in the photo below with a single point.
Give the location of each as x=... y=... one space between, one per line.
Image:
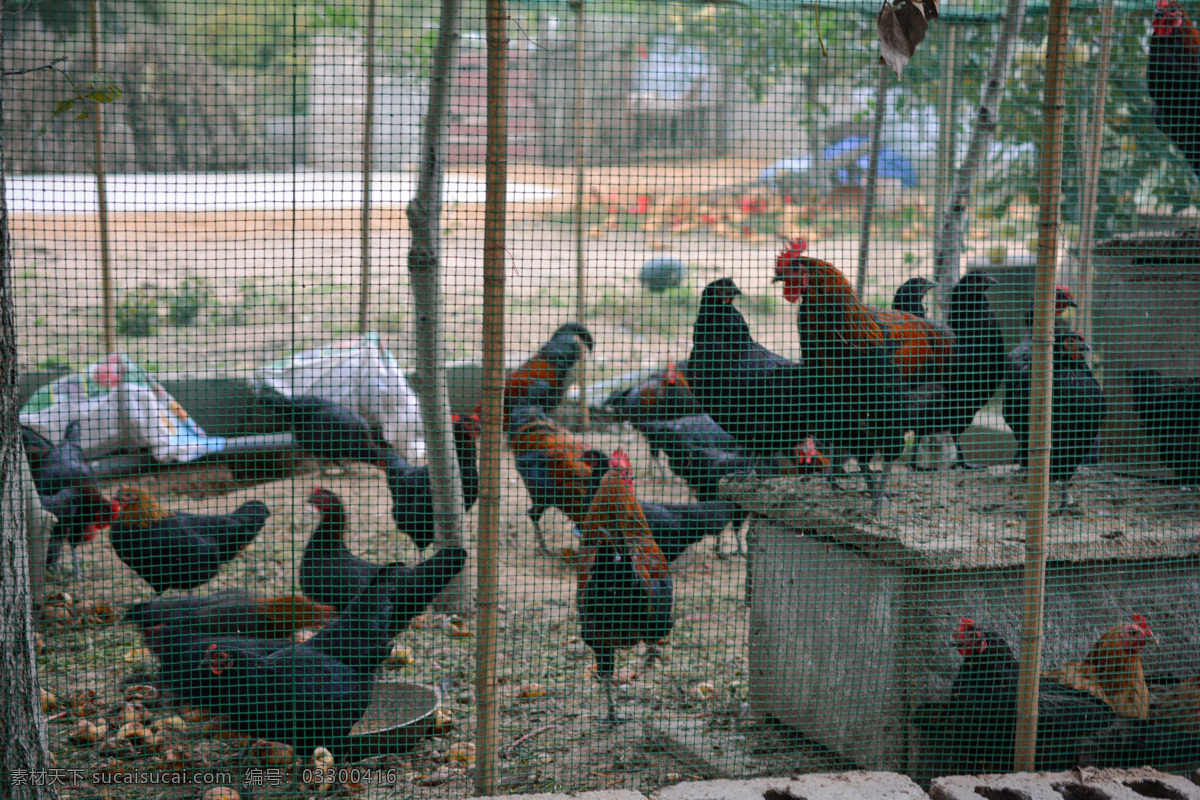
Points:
x=399 y=717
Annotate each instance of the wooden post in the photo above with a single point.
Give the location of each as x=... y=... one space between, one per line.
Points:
x=868 y=206
x=364 y=280
x=97 y=113
x=1093 y=148
x=486 y=649
x=1040 y=393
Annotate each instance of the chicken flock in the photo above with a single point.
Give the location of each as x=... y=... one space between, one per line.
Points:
x=869 y=378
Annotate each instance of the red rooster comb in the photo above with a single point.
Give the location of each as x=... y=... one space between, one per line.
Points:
x=618 y=460
x=967 y=638
x=1137 y=634
x=795 y=248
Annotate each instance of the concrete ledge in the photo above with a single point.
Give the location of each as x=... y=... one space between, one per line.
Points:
x=604 y=794
x=818 y=786
x=1112 y=784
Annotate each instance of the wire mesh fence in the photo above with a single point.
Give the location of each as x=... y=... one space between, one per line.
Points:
x=774 y=432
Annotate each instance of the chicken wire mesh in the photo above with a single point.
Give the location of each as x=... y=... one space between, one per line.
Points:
x=767 y=427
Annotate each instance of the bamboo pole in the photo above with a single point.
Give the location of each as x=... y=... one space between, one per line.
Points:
x=1040 y=394
x=486 y=649
x=97 y=114
x=364 y=288
x=868 y=206
x=581 y=142
x=1094 y=148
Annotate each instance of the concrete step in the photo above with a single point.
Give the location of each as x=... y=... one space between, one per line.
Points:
x=1088 y=784
x=818 y=786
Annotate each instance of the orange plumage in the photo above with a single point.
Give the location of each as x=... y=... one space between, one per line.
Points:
x=625 y=594
x=284 y=615
x=616 y=519
x=1112 y=669
x=836 y=320
x=562 y=456
x=1179 y=706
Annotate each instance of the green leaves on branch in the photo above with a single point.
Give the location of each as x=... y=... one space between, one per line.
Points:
x=100 y=88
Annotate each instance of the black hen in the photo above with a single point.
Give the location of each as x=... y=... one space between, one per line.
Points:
x=172 y=550
x=677 y=526
x=1017 y=365
x=1078 y=409
x=412 y=491
x=1173 y=79
x=666 y=395
x=757 y=396
x=910 y=296
x=976 y=367
x=329 y=572
x=1169 y=410
x=328 y=431
x=975 y=728
x=68 y=489
x=312 y=694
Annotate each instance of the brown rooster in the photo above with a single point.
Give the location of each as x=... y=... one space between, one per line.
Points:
x=1112 y=669
x=557 y=469
x=625 y=594
x=867 y=358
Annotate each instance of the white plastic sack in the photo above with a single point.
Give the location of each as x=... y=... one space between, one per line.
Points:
x=361 y=374
x=118 y=405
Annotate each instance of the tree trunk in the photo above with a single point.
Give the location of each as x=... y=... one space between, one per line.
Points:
x=25 y=752
x=424 y=267
x=953 y=224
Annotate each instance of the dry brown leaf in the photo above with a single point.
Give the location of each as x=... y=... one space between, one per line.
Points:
x=462 y=753
x=221 y=793
x=87 y=732
x=901 y=27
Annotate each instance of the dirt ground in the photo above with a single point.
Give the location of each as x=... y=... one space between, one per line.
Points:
x=280 y=283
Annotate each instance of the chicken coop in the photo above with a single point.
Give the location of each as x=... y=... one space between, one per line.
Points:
x=481 y=398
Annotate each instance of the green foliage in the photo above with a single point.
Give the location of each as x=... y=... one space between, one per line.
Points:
x=100 y=88
x=192 y=297
x=137 y=312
